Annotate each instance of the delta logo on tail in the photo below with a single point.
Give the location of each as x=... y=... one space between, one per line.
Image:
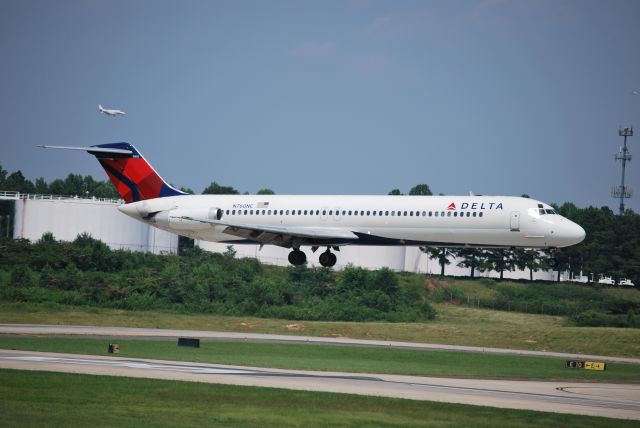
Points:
x=131 y=174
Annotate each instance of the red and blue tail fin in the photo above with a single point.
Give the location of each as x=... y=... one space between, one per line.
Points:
x=129 y=171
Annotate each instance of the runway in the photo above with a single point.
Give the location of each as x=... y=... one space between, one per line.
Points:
x=596 y=399
x=127 y=332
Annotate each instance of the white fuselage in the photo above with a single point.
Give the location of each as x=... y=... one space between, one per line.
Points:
x=483 y=221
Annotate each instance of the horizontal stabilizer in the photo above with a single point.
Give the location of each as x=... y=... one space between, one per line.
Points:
x=91 y=149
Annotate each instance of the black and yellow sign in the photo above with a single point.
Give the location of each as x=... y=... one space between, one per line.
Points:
x=585 y=365
x=594 y=365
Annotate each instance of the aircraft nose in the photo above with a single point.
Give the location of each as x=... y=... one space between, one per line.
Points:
x=577 y=233
x=572 y=233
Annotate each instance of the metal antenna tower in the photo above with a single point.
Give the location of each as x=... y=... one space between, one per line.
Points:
x=623 y=191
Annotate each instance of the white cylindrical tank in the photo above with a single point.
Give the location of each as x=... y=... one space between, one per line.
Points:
x=66 y=218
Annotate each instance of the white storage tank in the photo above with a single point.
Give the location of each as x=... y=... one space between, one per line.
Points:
x=66 y=218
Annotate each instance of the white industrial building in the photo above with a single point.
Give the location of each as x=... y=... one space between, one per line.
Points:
x=67 y=217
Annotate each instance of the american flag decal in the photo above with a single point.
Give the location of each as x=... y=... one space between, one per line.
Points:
x=263 y=205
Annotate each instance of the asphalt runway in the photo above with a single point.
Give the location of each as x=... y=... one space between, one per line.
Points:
x=155 y=333
x=596 y=399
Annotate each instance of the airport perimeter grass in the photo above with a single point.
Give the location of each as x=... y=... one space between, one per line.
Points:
x=335 y=358
x=57 y=399
x=454 y=324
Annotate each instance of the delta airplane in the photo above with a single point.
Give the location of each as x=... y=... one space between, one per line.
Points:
x=109 y=112
x=331 y=221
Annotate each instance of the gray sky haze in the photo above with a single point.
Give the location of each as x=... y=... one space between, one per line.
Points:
x=330 y=97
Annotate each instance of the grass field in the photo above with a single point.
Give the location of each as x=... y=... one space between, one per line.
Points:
x=455 y=324
x=335 y=358
x=36 y=399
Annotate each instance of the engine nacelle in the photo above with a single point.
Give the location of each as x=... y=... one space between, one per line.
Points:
x=187 y=219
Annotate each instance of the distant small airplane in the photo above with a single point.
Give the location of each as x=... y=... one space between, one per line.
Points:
x=110 y=112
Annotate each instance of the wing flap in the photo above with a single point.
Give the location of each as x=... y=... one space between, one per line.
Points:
x=270 y=234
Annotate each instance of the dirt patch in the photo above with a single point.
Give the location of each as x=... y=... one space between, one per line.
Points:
x=247 y=325
x=294 y=327
x=432 y=284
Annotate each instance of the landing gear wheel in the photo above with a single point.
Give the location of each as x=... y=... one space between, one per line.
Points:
x=297 y=258
x=328 y=259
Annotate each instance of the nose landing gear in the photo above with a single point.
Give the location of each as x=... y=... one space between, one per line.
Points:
x=552 y=261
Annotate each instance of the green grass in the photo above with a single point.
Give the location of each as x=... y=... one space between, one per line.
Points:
x=335 y=358
x=54 y=399
x=456 y=325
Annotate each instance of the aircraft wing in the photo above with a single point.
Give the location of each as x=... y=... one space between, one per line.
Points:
x=283 y=236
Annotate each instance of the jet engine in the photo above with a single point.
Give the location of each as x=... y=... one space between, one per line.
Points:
x=186 y=218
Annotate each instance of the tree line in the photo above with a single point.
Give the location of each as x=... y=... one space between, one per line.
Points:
x=592 y=306
x=86 y=272
x=87 y=186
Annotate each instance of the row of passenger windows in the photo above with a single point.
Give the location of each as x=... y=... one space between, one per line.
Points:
x=361 y=213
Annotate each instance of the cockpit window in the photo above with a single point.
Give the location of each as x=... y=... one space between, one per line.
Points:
x=537 y=212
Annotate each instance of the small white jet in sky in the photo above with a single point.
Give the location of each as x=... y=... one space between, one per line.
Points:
x=110 y=112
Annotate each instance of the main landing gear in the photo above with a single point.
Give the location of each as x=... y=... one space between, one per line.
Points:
x=298 y=258
x=327 y=259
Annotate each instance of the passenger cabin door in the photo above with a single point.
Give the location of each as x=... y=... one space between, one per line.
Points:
x=515 y=221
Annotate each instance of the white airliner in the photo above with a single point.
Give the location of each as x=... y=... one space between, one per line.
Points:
x=331 y=221
x=109 y=112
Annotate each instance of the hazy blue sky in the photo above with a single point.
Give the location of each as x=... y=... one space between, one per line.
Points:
x=345 y=97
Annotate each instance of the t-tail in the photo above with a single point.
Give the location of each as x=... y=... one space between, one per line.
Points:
x=131 y=174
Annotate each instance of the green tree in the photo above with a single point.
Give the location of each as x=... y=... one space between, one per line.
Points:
x=420 y=190
x=216 y=189
x=386 y=281
x=105 y=189
x=441 y=254
x=469 y=258
x=74 y=184
x=498 y=260
x=16 y=181
x=527 y=258
x=395 y=192
x=41 y=186
x=265 y=192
